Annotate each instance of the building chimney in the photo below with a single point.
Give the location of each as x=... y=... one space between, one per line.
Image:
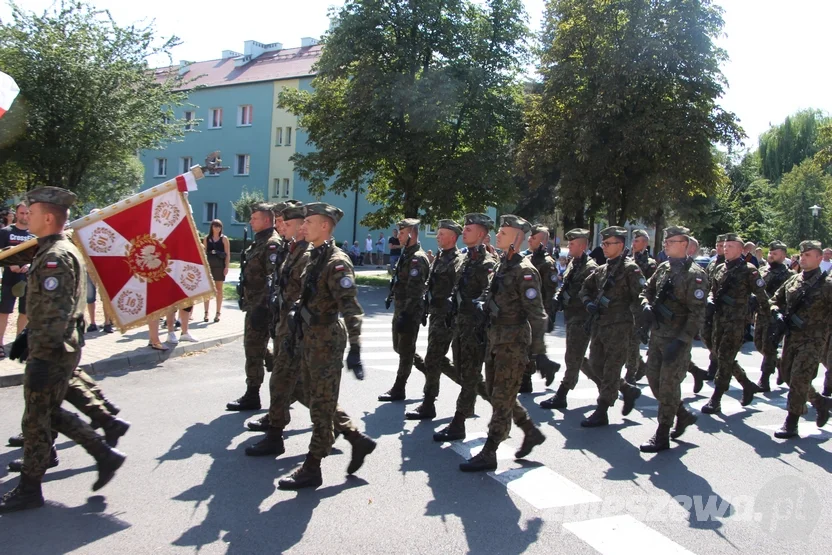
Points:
x=229 y=54
x=307 y=41
x=184 y=66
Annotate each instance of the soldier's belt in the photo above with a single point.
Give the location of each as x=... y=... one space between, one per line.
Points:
x=796 y=322
x=317 y=319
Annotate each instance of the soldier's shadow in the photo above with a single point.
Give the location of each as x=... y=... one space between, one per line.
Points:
x=624 y=458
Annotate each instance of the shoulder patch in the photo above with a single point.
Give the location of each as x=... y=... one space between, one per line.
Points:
x=52 y=264
x=50 y=283
x=346 y=282
x=339 y=267
x=531 y=293
x=553 y=277
x=698 y=280
x=642 y=282
x=414 y=272
x=528 y=277
x=637 y=270
x=699 y=294
x=272 y=246
x=760 y=282
x=273 y=257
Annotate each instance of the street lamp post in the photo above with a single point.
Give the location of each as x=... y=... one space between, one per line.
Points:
x=815 y=213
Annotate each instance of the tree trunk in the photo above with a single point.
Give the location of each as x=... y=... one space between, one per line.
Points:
x=659 y=223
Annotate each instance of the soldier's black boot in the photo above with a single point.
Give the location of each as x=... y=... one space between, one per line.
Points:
x=642 y=369
x=16 y=441
x=260 y=424
x=659 y=442
x=109 y=460
x=749 y=388
x=114 y=429
x=558 y=400
x=362 y=446
x=684 y=418
x=454 y=431
x=484 y=460
x=597 y=418
x=396 y=393
x=307 y=476
x=714 y=405
x=548 y=373
x=526 y=383
x=822 y=404
x=764 y=383
x=712 y=368
x=532 y=438
x=425 y=411
x=17 y=464
x=271 y=444
x=699 y=376
x=249 y=401
x=630 y=376
x=27 y=495
x=630 y=394
x=789 y=428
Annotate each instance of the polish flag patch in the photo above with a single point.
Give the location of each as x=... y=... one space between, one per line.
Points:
x=528 y=277
x=339 y=267
x=52 y=264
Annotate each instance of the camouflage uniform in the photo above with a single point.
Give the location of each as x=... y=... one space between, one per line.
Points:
x=547 y=269
x=707 y=331
x=675 y=297
x=774 y=275
x=808 y=327
x=827 y=362
x=635 y=365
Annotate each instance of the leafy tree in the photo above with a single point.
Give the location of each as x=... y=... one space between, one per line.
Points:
x=243 y=205
x=108 y=181
x=418 y=103
x=87 y=97
x=805 y=186
x=784 y=146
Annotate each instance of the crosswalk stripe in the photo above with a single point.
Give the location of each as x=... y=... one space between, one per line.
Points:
x=624 y=535
x=806 y=430
x=540 y=486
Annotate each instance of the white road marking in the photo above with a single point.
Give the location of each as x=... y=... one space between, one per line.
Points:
x=624 y=535
x=805 y=429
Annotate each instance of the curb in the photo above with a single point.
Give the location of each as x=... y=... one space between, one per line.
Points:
x=122 y=362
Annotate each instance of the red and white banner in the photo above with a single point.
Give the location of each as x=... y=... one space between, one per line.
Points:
x=146 y=254
x=8 y=92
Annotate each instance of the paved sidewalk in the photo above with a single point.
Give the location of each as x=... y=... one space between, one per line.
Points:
x=112 y=352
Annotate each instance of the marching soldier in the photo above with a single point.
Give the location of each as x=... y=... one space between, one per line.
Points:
x=568 y=299
x=517 y=325
x=443 y=276
x=261 y=258
x=707 y=327
x=673 y=308
x=774 y=274
x=727 y=308
x=801 y=309
x=55 y=295
x=472 y=284
x=548 y=270
x=411 y=277
x=328 y=289
x=635 y=365
x=611 y=296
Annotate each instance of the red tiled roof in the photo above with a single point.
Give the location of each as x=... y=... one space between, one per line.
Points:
x=269 y=66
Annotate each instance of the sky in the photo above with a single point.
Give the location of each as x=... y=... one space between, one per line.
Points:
x=777 y=49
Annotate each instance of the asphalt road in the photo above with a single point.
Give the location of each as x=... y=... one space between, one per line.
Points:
x=726 y=487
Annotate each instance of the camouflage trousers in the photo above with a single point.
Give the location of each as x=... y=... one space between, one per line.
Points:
x=321 y=361
x=707 y=334
x=286 y=387
x=827 y=362
x=607 y=353
x=504 y=367
x=633 y=354
x=84 y=394
x=404 y=344
x=577 y=340
x=44 y=387
x=800 y=364
x=727 y=340
x=665 y=378
x=762 y=344
x=256 y=346
x=440 y=337
x=469 y=354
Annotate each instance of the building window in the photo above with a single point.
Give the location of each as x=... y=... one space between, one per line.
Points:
x=278 y=136
x=242 y=166
x=165 y=119
x=160 y=167
x=286 y=187
x=244 y=115
x=210 y=212
x=216 y=118
x=288 y=136
x=189 y=116
x=430 y=231
x=276 y=187
x=187 y=162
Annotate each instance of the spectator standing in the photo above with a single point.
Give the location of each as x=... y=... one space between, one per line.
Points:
x=11 y=235
x=380 y=250
x=430 y=256
x=355 y=254
x=395 y=248
x=218 y=251
x=368 y=249
x=826 y=263
x=748 y=254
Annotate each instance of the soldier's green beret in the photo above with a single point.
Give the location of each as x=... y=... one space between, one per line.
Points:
x=720 y=238
x=775 y=245
x=676 y=231
x=51 y=195
x=262 y=207
x=323 y=209
x=540 y=228
x=515 y=222
x=811 y=245
x=641 y=233
x=733 y=237
x=614 y=231
x=577 y=233
x=277 y=208
x=408 y=222
x=452 y=225
x=293 y=210
x=479 y=219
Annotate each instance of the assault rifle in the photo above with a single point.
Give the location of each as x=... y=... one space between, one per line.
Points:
x=310 y=287
x=241 y=284
x=456 y=296
x=426 y=299
x=601 y=299
x=393 y=282
x=660 y=311
x=782 y=327
x=277 y=282
x=721 y=296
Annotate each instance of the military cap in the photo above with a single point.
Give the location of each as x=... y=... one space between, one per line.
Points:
x=515 y=222
x=775 y=245
x=292 y=210
x=811 y=245
x=479 y=219
x=539 y=228
x=614 y=231
x=577 y=233
x=408 y=222
x=323 y=209
x=262 y=207
x=51 y=195
x=720 y=238
x=277 y=208
x=676 y=231
x=642 y=233
x=452 y=225
x=732 y=237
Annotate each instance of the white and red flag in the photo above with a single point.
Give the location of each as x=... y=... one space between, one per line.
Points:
x=8 y=92
x=145 y=253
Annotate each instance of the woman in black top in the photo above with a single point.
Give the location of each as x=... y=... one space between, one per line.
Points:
x=219 y=257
